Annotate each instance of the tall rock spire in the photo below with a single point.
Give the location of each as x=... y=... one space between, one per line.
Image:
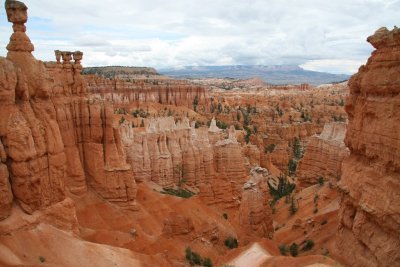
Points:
x=18 y=15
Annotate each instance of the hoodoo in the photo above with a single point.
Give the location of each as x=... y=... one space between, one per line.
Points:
x=122 y=166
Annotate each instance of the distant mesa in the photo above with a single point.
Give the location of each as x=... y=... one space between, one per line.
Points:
x=120 y=72
x=274 y=74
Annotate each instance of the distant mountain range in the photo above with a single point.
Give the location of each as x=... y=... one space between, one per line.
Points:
x=280 y=74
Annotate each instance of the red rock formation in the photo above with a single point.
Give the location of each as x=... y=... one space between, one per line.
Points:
x=281 y=136
x=52 y=136
x=163 y=91
x=172 y=154
x=176 y=224
x=230 y=173
x=6 y=196
x=369 y=229
x=255 y=215
x=324 y=155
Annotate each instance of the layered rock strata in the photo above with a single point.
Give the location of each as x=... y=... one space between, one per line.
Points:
x=53 y=138
x=170 y=153
x=369 y=229
x=254 y=213
x=163 y=91
x=323 y=156
x=281 y=136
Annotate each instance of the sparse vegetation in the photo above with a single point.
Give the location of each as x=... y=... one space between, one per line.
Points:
x=321 y=181
x=225 y=216
x=140 y=113
x=42 y=259
x=325 y=221
x=195 y=102
x=283 y=249
x=195 y=259
x=292 y=166
x=284 y=188
x=293 y=207
x=221 y=124
x=180 y=192
x=294 y=249
x=248 y=134
x=309 y=244
x=121 y=120
x=297 y=149
x=231 y=242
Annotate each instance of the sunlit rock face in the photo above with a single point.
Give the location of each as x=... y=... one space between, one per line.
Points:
x=323 y=156
x=369 y=230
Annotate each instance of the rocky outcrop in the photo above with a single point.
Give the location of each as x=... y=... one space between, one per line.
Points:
x=253 y=156
x=6 y=196
x=230 y=172
x=54 y=138
x=176 y=224
x=323 y=156
x=170 y=153
x=369 y=230
x=163 y=91
x=255 y=215
x=280 y=136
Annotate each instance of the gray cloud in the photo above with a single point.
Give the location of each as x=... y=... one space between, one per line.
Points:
x=321 y=35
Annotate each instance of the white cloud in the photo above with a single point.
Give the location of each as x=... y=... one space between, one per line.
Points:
x=333 y=65
x=319 y=35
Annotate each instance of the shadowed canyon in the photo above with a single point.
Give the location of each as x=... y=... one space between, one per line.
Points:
x=118 y=166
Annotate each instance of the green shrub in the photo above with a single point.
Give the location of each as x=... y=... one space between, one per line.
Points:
x=297 y=150
x=195 y=259
x=308 y=245
x=207 y=262
x=225 y=216
x=284 y=188
x=283 y=249
x=321 y=181
x=180 y=192
x=316 y=197
x=42 y=259
x=294 y=249
x=292 y=166
x=325 y=221
x=195 y=102
x=231 y=242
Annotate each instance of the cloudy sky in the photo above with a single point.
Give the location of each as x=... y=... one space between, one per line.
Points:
x=318 y=35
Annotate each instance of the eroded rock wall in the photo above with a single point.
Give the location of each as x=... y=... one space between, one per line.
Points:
x=53 y=138
x=170 y=153
x=323 y=156
x=163 y=91
x=369 y=230
x=255 y=216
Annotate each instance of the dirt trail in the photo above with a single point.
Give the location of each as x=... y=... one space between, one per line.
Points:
x=252 y=257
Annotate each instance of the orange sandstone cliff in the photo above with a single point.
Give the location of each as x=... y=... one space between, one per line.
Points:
x=369 y=228
x=323 y=157
x=52 y=136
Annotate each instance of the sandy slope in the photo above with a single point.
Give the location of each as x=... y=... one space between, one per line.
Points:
x=253 y=256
